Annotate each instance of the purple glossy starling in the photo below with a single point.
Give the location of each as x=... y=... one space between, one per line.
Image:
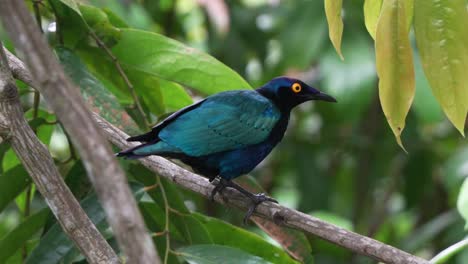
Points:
x=228 y=134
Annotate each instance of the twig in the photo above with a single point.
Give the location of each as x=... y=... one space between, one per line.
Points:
x=37 y=13
x=273 y=212
x=166 y=226
x=40 y=166
x=107 y=177
x=124 y=76
x=27 y=208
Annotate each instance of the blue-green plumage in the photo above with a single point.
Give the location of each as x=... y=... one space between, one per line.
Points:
x=229 y=133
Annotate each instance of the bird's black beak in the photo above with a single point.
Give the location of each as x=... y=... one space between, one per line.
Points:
x=323 y=97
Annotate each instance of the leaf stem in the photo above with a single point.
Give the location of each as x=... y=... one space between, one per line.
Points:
x=447 y=253
x=124 y=76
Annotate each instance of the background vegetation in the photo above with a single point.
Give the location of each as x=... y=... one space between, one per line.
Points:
x=339 y=162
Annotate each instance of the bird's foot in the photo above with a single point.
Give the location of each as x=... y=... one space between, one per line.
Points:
x=219 y=187
x=256 y=200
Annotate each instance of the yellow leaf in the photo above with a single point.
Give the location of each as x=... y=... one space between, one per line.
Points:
x=395 y=64
x=372 y=12
x=335 y=23
x=441 y=29
x=371 y=15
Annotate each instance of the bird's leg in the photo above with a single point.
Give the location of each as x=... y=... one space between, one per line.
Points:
x=219 y=187
x=255 y=198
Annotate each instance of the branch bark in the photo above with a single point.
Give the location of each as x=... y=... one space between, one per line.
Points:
x=40 y=166
x=103 y=170
x=273 y=212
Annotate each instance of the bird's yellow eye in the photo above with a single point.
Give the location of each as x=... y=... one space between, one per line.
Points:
x=296 y=87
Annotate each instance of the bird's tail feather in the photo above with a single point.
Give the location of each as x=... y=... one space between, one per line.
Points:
x=150 y=148
x=130 y=153
x=148 y=137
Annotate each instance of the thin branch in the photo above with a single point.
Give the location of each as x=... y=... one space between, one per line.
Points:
x=37 y=13
x=63 y=97
x=40 y=166
x=166 y=226
x=27 y=210
x=124 y=76
x=272 y=212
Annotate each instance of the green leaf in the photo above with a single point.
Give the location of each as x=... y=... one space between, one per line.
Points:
x=395 y=64
x=19 y=236
x=12 y=183
x=214 y=254
x=442 y=39
x=72 y=28
x=21 y=199
x=462 y=203
x=335 y=23
x=43 y=130
x=154 y=216
x=226 y=234
x=371 y=15
x=10 y=160
x=174 y=95
x=115 y=20
x=148 y=178
x=94 y=92
x=161 y=57
x=72 y=4
x=55 y=244
x=425 y=104
x=170 y=60
x=98 y=21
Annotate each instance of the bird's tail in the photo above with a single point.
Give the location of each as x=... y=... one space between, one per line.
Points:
x=130 y=153
x=150 y=148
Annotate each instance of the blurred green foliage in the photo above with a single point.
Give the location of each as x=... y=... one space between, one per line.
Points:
x=337 y=162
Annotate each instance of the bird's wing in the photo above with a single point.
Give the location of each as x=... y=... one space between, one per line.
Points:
x=153 y=134
x=223 y=122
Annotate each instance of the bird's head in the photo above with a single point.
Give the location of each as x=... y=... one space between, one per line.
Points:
x=287 y=93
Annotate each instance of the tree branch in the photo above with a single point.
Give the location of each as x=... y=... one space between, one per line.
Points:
x=272 y=212
x=40 y=166
x=103 y=170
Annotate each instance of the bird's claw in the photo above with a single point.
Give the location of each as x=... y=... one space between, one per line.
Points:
x=264 y=198
x=256 y=200
x=219 y=187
